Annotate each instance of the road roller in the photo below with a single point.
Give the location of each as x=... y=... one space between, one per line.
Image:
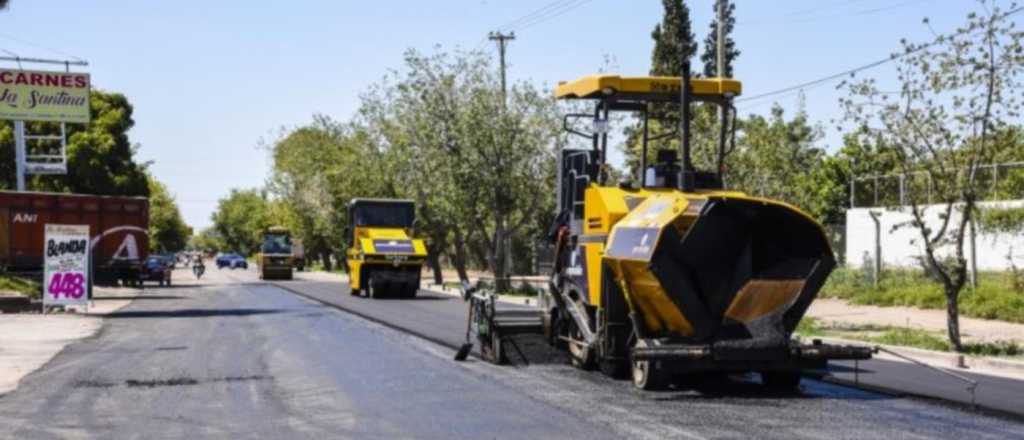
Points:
x=384 y=258
x=673 y=274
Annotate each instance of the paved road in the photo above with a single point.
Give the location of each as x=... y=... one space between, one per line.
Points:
x=239 y=358
x=442 y=318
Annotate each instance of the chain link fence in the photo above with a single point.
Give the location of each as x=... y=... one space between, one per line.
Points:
x=1003 y=181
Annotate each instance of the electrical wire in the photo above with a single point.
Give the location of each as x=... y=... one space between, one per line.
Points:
x=40 y=46
x=554 y=14
x=532 y=15
x=861 y=13
x=871 y=65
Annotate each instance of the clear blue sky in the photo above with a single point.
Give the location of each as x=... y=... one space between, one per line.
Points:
x=209 y=79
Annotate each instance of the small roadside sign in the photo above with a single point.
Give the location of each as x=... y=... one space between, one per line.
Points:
x=66 y=265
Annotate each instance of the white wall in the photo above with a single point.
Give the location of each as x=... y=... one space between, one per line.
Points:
x=902 y=245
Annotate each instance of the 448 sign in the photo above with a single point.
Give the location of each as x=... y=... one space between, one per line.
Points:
x=66 y=265
x=70 y=285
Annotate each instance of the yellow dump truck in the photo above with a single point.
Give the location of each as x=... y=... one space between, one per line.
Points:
x=671 y=273
x=275 y=257
x=384 y=260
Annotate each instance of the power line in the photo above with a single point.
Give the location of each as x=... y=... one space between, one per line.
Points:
x=534 y=14
x=817 y=9
x=554 y=14
x=545 y=13
x=808 y=15
x=861 y=12
x=866 y=66
x=39 y=46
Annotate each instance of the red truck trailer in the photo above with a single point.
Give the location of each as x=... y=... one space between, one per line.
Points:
x=119 y=227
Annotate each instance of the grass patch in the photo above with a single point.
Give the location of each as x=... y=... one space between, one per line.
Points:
x=998 y=348
x=810 y=327
x=28 y=286
x=908 y=337
x=995 y=297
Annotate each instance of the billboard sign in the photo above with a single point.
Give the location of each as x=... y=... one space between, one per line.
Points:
x=66 y=265
x=31 y=95
x=60 y=167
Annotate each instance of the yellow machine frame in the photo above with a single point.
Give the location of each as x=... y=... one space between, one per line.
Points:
x=653 y=272
x=387 y=255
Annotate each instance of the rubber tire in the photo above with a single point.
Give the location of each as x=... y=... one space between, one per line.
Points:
x=615 y=369
x=582 y=358
x=372 y=289
x=783 y=381
x=646 y=375
x=496 y=354
x=410 y=291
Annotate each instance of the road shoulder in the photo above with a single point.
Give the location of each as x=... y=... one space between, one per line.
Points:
x=30 y=340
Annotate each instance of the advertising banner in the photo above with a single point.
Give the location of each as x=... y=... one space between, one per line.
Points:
x=30 y=95
x=66 y=265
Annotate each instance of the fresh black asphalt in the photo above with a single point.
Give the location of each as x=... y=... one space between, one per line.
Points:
x=242 y=359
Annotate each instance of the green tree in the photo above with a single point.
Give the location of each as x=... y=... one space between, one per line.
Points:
x=774 y=157
x=956 y=95
x=317 y=170
x=673 y=39
x=489 y=164
x=101 y=158
x=710 y=54
x=167 y=230
x=207 y=240
x=240 y=220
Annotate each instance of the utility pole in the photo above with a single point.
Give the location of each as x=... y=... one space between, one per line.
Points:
x=506 y=239
x=19 y=153
x=720 y=64
x=720 y=37
x=502 y=40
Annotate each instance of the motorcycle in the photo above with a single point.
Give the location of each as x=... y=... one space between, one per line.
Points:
x=198 y=269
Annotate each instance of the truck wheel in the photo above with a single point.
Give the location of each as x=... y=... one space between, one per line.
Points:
x=581 y=357
x=647 y=375
x=495 y=351
x=373 y=288
x=614 y=368
x=410 y=291
x=354 y=292
x=786 y=381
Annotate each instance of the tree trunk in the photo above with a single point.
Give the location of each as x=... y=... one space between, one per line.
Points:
x=434 y=261
x=501 y=282
x=953 y=318
x=459 y=260
x=325 y=258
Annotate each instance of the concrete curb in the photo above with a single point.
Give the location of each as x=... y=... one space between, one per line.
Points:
x=508 y=299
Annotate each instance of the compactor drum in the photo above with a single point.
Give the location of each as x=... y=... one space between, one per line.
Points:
x=674 y=274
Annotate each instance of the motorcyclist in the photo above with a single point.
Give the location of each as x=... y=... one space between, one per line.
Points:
x=198 y=267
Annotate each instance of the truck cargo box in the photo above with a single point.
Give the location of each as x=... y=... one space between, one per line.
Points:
x=119 y=227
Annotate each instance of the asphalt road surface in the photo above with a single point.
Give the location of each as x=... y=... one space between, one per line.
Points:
x=236 y=358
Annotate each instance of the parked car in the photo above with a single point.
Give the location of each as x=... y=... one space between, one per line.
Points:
x=170 y=260
x=156 y=269
x=232 y=261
